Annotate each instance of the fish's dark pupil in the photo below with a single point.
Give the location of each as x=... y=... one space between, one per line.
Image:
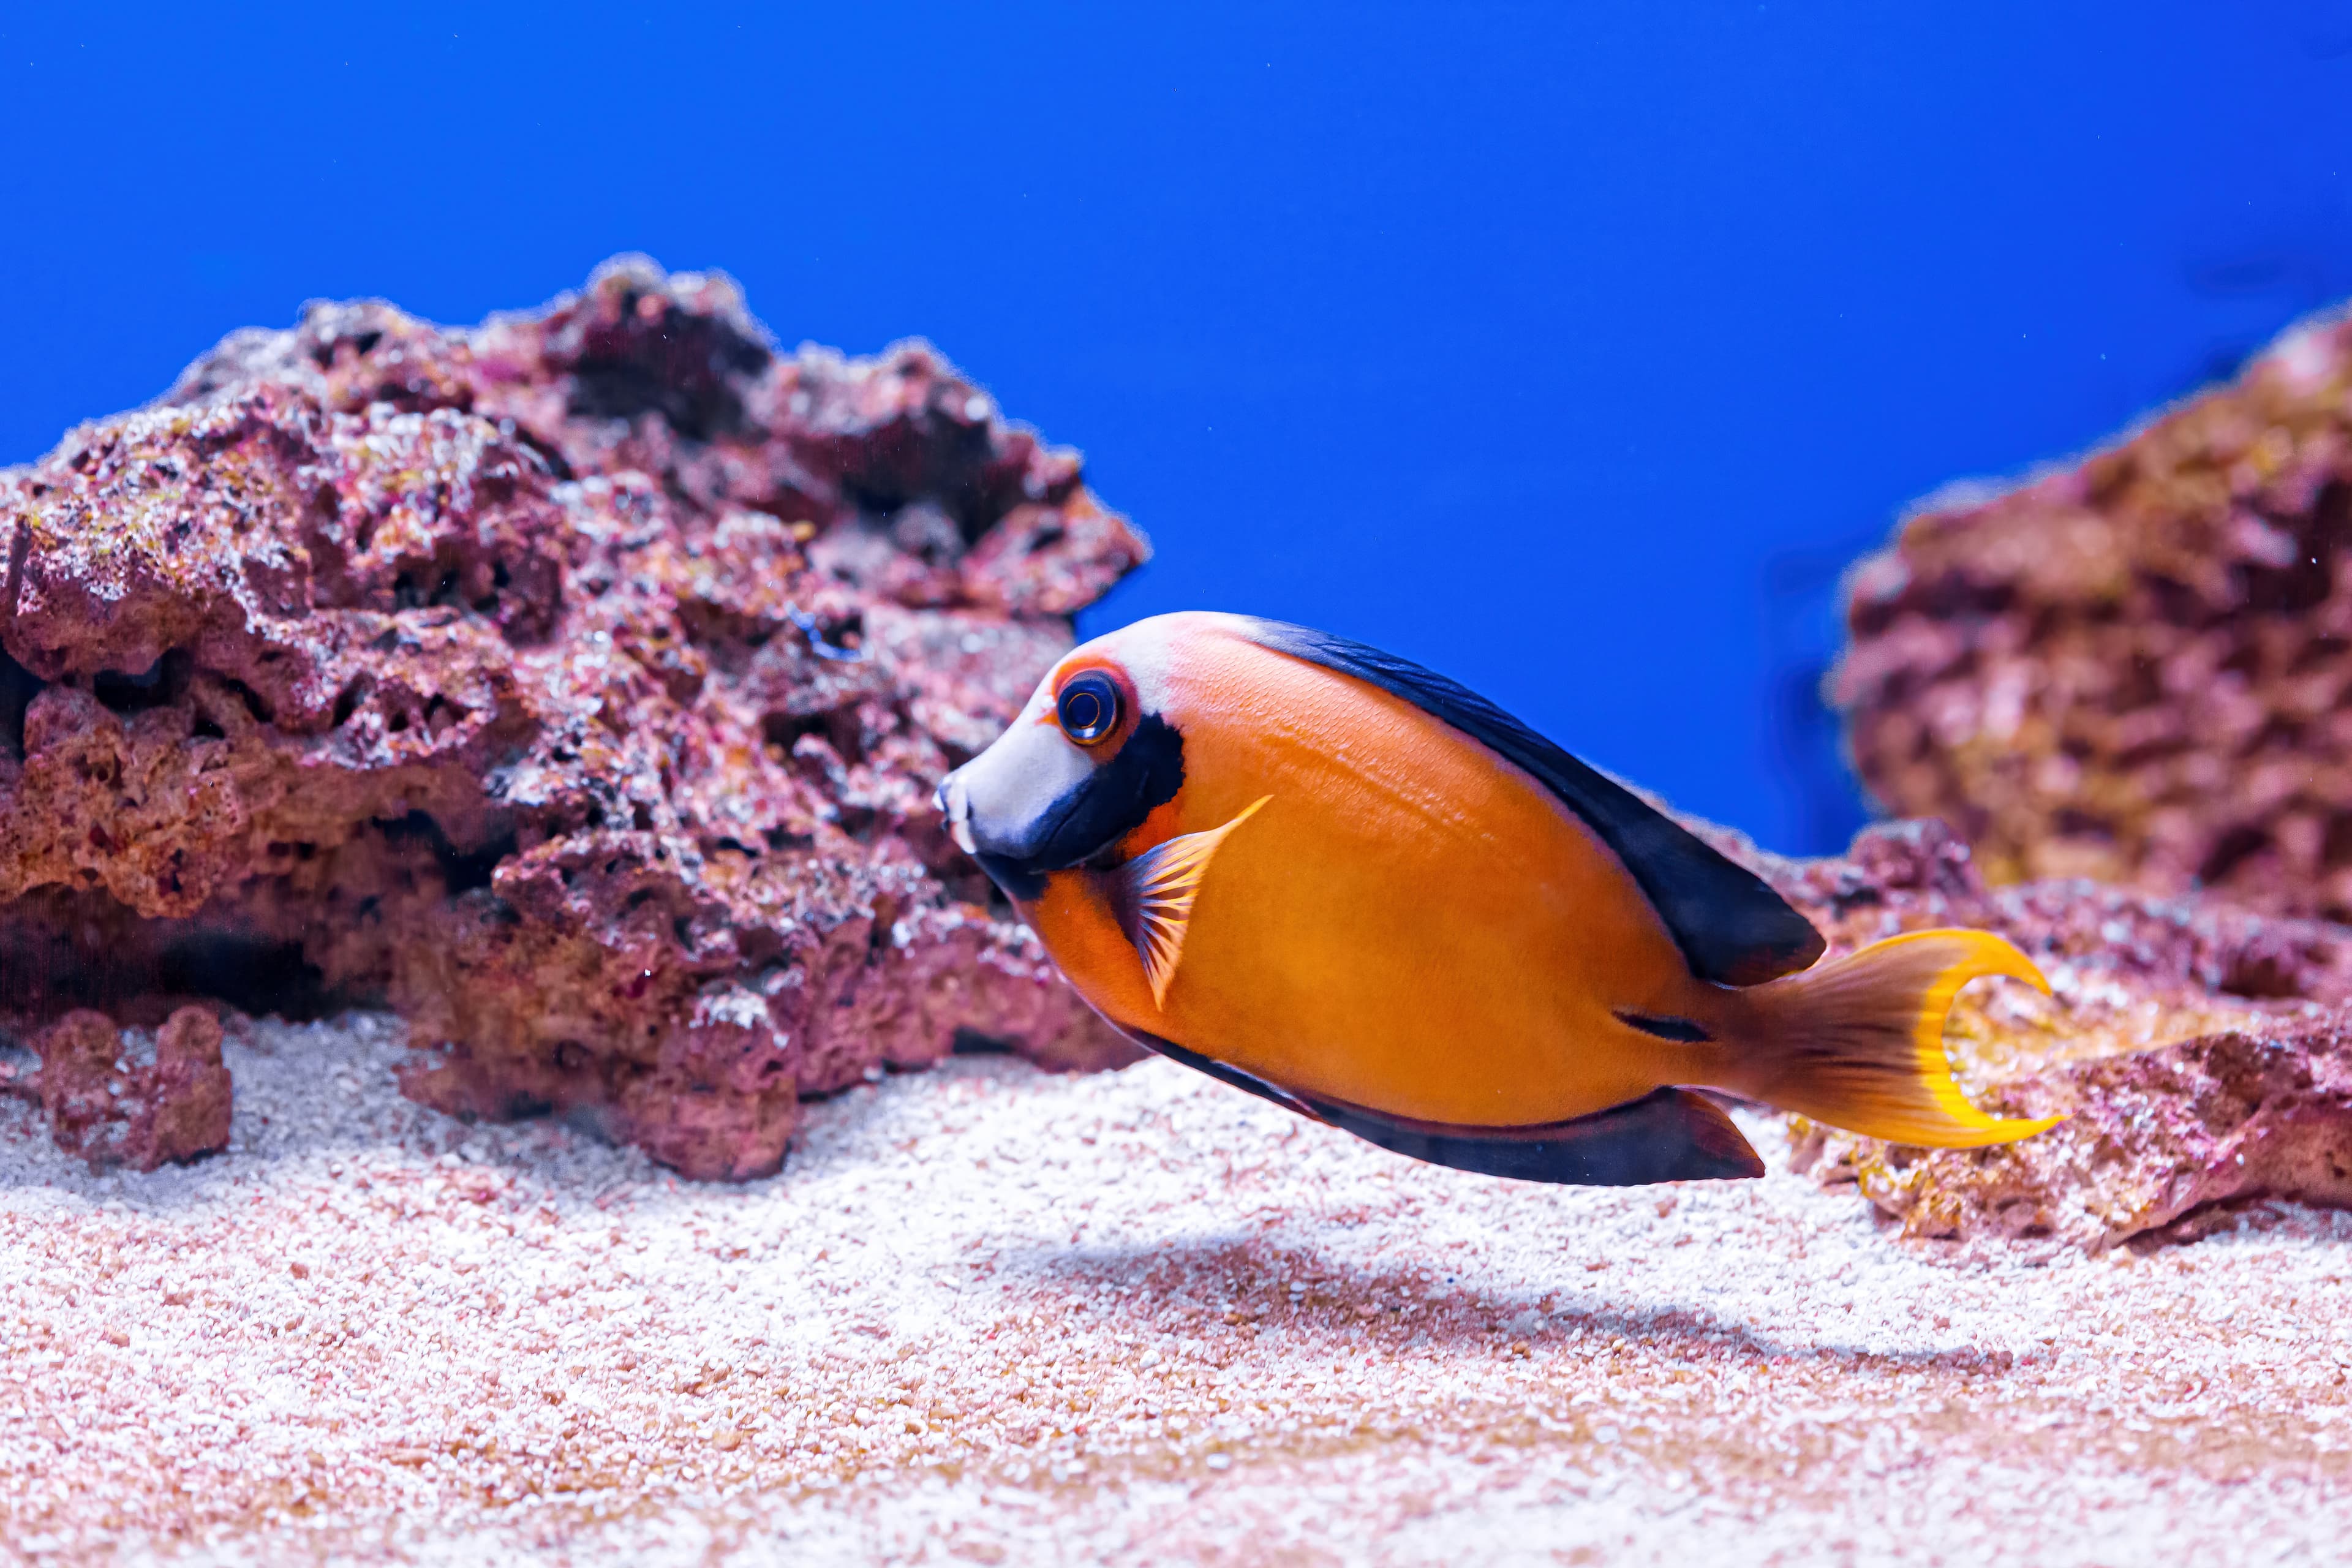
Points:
x=1088 y=707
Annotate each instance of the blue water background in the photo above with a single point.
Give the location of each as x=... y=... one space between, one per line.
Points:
x=1572 y=349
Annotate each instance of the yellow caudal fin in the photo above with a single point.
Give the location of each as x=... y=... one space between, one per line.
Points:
x=1153 y=894
x=1858 y=1042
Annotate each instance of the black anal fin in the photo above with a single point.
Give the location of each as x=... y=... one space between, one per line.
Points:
x=1673 y=1135
x=1232 y=1077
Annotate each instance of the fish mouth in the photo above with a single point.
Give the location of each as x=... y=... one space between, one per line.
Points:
x=955 y=802
x=994 y=813
x=1019 y=864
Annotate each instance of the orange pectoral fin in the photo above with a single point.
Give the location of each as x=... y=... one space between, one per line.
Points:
x=1153 y=895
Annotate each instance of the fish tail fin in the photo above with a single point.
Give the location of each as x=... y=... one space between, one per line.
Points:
x=1858 y=1042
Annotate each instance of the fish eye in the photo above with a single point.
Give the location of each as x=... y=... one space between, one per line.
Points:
x=1088 y=707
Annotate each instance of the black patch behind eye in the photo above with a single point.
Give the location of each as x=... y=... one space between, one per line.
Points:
x=1096 y=813
x=1114 y=800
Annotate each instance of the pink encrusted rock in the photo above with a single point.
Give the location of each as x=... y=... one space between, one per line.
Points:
x=2135 y=668
x=2201 y=1052
x=165 y=1098
x=576 y=685
x=2152 y=1138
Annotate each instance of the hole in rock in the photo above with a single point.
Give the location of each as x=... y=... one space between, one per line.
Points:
x=63 y=949
x=18 y=687
x=123 y=692
x=678 y=365
x=462 y=870
x=971 y=1042
x=2265 y=976
x=254 y=704
x=2234 y=848
x=837 y=727
x=253 y=974
x=347 y=701
x=2074 y=821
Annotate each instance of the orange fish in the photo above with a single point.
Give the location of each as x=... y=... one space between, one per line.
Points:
x=1333 y=879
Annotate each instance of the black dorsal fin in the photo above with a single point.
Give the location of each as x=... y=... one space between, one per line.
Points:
x=1732 y=929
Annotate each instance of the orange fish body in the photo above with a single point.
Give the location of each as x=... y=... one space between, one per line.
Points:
x=1406 y=924
x=1344 y=883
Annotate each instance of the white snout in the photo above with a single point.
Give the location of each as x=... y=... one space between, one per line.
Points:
x=994 y=803
x=956 y=805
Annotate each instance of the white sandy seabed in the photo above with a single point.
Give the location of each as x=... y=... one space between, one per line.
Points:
x=986 y=1315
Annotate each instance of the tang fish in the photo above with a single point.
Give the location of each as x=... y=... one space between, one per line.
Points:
x=1338 y=881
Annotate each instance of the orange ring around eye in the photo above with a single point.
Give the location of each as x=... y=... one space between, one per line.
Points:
x=1088 y=707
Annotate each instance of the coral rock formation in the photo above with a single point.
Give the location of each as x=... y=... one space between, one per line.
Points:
x=167 y=1100
x=2202 y=1052
x=576 y=684
x=2137 y=670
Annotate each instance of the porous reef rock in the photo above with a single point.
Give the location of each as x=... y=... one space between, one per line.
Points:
x=575 y=684
x=138 y=1098
x=2139 y=669
x=2201 y=1051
